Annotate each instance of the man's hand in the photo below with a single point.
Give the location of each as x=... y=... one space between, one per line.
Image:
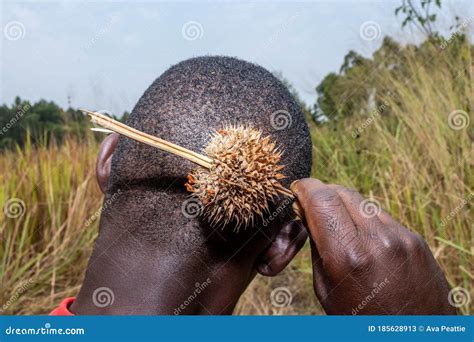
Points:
x=365 y=262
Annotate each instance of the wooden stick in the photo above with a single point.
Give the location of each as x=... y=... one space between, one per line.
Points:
x=118 y=127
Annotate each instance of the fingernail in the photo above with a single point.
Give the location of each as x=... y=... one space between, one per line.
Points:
x=292 y=186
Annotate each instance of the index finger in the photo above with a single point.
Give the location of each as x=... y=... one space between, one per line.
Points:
x=329 y=223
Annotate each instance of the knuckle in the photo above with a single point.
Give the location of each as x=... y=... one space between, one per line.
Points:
x=392 y=243
x=325 y=201
x=360 y=262
x=341 y=189
x=414 y=242
x=323 y=196
x=394 y=248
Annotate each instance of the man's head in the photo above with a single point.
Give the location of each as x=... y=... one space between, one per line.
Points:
x=145 y=193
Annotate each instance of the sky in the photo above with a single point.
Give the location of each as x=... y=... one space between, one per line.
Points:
x=102 y=55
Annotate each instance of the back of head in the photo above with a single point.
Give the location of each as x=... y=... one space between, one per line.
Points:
x=185 y=105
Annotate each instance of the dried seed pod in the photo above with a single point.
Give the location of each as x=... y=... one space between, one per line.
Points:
x=244 y=178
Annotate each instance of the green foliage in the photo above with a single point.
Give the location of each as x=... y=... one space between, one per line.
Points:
x=357 y=88
x=40 y=122
x=420 y=16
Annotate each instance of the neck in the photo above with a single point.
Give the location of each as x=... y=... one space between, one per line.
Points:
x=128 y=278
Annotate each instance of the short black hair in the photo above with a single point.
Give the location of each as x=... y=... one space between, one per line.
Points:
x=185 y=105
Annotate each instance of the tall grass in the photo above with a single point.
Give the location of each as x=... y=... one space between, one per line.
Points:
x=45 y=244
x=406 y=156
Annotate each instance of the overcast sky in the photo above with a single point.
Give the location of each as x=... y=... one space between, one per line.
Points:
x=103 y=55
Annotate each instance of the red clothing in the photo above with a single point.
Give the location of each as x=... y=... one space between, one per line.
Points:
x=63 y=308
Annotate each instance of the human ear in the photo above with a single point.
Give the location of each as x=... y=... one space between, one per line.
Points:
x=284 y=247
x=104 y=160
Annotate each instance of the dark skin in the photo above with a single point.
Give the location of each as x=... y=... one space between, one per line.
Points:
x=350 y=253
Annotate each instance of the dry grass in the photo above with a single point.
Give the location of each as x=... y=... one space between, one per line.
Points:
x=44 y=252
x=412 y=162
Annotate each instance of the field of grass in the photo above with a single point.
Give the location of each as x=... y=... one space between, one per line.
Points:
x=416 y=162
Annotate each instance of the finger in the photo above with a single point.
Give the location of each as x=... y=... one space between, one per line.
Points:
x=364 y=212
x=387 y=219
x=377 y=232
x=320 y=278
x=397 y=228
x=329 y=223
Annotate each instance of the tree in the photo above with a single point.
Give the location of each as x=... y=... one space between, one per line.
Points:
x=419 y=16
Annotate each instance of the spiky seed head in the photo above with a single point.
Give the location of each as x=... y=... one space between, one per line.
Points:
x=243 y=180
